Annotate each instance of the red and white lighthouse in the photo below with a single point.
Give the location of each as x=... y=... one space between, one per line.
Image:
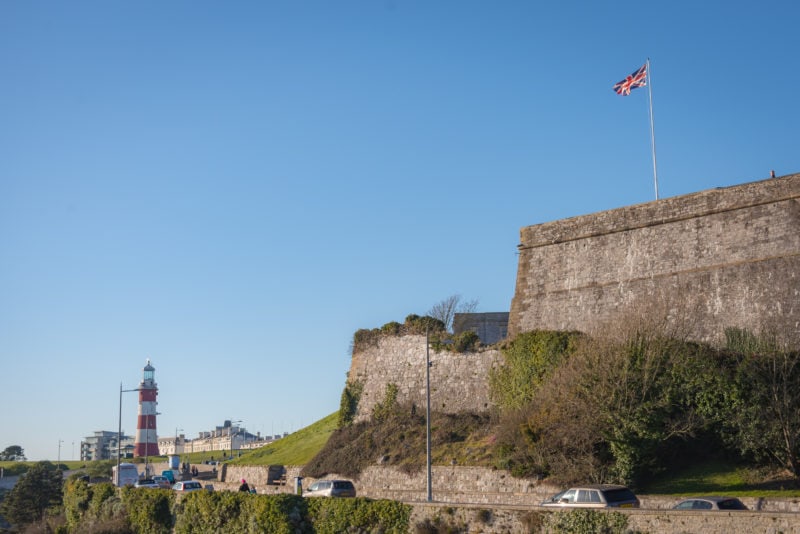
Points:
x=146 y=443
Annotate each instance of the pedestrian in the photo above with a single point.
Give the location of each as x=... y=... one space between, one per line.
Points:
x=244 y=487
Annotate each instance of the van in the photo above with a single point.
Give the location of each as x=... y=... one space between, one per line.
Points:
x=128 y=475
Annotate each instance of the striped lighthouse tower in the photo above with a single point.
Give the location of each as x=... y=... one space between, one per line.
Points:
x=146 y=438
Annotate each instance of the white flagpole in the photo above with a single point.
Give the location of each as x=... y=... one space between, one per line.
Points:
x=652 y=128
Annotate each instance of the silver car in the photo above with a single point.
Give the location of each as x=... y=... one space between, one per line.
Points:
x=331 y=488
x=187 y=486
x=710 y=503
x=594 y=496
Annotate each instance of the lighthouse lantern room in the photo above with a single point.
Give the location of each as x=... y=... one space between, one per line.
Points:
x=146 y=437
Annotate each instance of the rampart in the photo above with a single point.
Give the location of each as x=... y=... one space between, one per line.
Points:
x=459 y=381
x=726 y=257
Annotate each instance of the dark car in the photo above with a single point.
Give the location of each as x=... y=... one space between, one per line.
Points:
x=710 y=503
x=594 y=496
x=331 y=488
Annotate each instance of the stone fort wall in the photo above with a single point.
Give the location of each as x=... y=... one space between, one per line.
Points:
x=459 y=381
x=726 y=257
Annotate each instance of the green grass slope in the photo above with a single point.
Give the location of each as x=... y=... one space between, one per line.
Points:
x=297 y=448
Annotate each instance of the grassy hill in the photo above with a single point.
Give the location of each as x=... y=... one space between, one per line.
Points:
x=295 y=449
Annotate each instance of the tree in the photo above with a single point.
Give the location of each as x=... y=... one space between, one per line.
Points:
x=766 y=406
x=446 y=309
x=35 y=491
x=12 y=453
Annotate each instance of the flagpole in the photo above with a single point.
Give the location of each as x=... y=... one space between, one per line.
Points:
x=652 y=128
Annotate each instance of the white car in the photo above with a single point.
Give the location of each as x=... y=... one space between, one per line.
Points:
x=594 y=496
x=187 y=486
x=331 y=488
x=146 y=483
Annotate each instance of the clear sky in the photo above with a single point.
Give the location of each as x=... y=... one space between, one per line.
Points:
x=232 y=189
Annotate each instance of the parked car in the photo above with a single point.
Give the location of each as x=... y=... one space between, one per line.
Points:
x=187 y=486
x=710 y=503
x=594 y=496
x=331 y=488
x=146 y=483
x=162 y=481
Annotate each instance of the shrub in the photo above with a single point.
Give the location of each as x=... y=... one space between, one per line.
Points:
x=348 y=405
x=467 y=341
x=38 y=490
x=529 y=359
x=334 y=516
x=586 y=522
x=149 y=511
x=383 y=409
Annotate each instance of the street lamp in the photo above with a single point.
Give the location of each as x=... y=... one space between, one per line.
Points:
x=119 y=426
x=176 y=439
x=428 y=409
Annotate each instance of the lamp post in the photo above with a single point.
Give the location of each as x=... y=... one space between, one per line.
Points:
x=428 y=408
x=428 y=412
x=119 y=426
x=176 y=438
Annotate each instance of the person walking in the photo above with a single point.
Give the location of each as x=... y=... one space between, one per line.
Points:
x=244 y=487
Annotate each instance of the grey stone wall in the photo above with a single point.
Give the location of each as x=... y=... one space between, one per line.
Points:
x=459 y=382
x=718 y=258
x=460 y=493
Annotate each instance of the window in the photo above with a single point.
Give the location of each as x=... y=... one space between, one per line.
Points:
x=589 y=496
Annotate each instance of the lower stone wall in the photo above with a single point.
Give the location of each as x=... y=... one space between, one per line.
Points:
x=507 y=519
x=490 y=501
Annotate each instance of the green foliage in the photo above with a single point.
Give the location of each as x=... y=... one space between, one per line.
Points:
x=278 y=514
x=12 y=453
x=38 y=490
x=348 y=406
x=77 y=496
x=529 y=359
x=214 y=512
x=467 y=341
x=764 y=420
x=384 y=408
x=586 y=522
x=616 y=410
x=149 y=511
x=359 y=515
x=413 y=325
x=204 y=512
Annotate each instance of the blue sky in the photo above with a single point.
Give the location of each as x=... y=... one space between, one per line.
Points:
x=232 y=189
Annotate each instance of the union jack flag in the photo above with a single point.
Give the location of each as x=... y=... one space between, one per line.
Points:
x=637 y=79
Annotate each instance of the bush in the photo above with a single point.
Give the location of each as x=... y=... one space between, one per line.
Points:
x=348 y=405
x=586 y=522
x=37 y=491
x=467 y=341
x=334 y=516
x=149 y=511
x=529 y=359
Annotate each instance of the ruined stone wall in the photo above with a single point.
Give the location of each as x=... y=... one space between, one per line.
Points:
x=714 y=259
x=459 y=382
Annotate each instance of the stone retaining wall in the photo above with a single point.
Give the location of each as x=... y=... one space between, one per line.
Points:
x=459 y=381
